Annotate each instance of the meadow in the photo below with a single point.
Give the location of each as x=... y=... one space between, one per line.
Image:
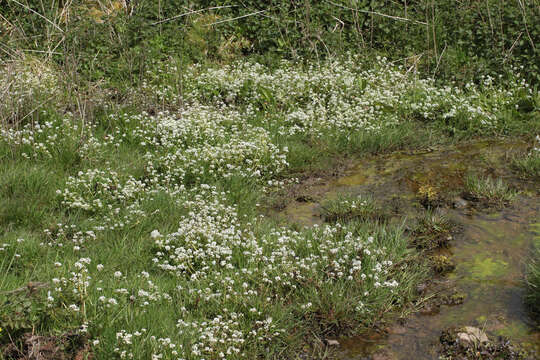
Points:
x=137 y=223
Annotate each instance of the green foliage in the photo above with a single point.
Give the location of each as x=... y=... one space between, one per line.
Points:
x=529 y=165
x=459 y=40
x=432 y=231
x=21 y=311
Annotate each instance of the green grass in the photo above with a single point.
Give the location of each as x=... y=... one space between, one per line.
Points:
x=532 y=280
x=488 y=190
x=432 y=231
x=347 y=207
x=529 y=166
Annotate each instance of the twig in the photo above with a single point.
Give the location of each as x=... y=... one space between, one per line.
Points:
x=399 y=18
x=42 y=51
x=34 y=109
x=405 y=58
x=30 y=287
x=439 y=60
x=415 y=64
x=522 y=7
x=192 y=12
x=236 y=18
x=509 y=52
x=38 y=14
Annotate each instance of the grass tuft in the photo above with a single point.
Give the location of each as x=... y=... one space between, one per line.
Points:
x=347 y=207
x=488 y=190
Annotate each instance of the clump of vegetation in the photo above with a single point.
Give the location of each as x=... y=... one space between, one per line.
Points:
x=432 y=231
x=529 y=165
x=487 y=190
x=429 y=196
x=472 y=343
x=442 y=264
x=347 y=207
x=28 y=87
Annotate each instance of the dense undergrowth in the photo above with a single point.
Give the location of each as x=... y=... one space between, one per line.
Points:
x=131 y=187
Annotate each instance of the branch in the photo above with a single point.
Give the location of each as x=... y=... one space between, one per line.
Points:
x=192 y=12
x=38 y=14
x=236 y=18
x=379 y=14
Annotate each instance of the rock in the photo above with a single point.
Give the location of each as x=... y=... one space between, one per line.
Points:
x=465 y=339
x=471 y=335
x=459 y=203
x=332 y=342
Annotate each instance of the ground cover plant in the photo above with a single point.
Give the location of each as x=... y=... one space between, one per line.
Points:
x=130 y=222
x=144 y=227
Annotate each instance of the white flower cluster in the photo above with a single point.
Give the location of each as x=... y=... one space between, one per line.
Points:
x=201 y=143
x=95 y=190
x=25 y=84
x=47 y=139
x=342 y=96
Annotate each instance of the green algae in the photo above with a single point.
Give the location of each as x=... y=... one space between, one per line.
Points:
x=352 y=180
x=485 y=268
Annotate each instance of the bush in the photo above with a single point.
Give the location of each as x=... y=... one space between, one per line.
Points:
x=459 y=40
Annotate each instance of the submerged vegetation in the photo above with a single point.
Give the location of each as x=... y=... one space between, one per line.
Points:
x=132 y=181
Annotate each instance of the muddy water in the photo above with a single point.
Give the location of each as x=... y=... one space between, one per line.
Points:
x=489 y=253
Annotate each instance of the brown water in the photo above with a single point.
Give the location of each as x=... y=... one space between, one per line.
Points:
x=489 y=253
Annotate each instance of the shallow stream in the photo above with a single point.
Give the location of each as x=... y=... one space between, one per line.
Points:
x=489 y=252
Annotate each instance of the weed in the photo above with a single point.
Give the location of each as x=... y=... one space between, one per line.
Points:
x=432 y=231
x=488 y=190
